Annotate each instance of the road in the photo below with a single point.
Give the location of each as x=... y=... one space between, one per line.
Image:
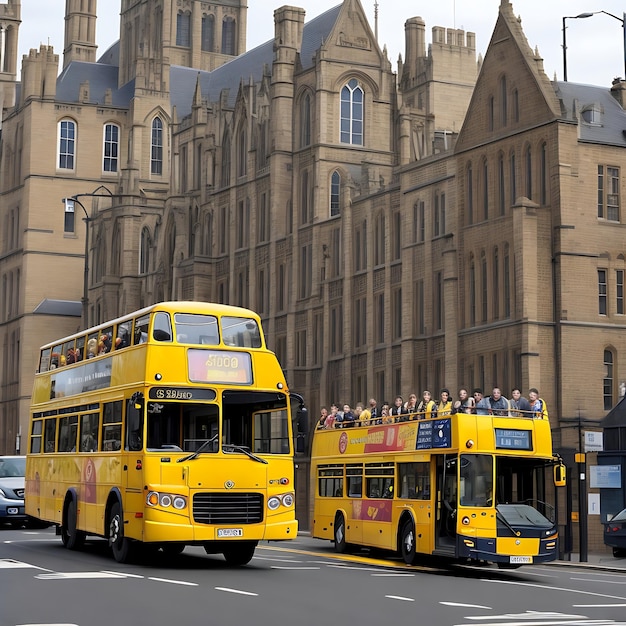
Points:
x=301 y=582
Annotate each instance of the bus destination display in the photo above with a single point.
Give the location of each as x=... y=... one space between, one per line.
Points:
x=219 y=366
x=180 y=393
x=508 y=439
x=434 y=434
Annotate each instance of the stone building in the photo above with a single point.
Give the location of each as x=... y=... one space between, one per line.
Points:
x=456 y=222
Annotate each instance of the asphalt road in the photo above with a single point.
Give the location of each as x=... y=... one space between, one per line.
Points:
x=300 y=582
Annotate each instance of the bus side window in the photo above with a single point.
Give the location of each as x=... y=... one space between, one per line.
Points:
x=79 y=352
x=123 y=335
x=50 y=434
x=134 y=422
x=141 y=329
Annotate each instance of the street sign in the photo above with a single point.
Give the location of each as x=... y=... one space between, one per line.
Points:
x=593 y=441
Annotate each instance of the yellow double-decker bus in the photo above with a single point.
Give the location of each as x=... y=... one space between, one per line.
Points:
x=469 y=487
x=168 y=427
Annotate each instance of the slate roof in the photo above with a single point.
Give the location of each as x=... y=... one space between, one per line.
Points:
x=616 y=416
x=104 y=74
x=612 y=122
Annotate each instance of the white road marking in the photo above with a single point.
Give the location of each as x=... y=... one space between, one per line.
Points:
x=467 y=606
x=604 y=582
x=173 y=582
x=529 y=615
x=549 y=588
x=77 y=575
x=12 y=564
x=362 y=569
x=123 y=574
x=239 y=591
x=46 y=625
x=558 y=622
x=397 y=575
x=400 y=598
x=596 y=606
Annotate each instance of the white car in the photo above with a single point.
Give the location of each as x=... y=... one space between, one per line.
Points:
x=12 y=472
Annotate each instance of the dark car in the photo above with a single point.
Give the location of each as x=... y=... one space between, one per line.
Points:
x=615 y=533
x=12 y=471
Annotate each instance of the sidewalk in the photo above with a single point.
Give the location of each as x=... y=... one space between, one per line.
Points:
x=595 y=561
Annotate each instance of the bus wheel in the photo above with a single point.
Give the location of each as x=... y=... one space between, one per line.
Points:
x=120 y=546
x=72 y=538
x=240 y=553
x=407 y=542
x=340 y=533
x=509 y=566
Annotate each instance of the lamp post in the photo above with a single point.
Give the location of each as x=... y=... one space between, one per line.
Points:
x=584 y=15
x=72 y=201
x=623 y=21
x=570 y=17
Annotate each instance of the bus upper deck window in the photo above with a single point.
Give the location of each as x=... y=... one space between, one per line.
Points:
x=241 y=332
x=123 y=335
x=141 y=329
x=196 y=329
x=162 y=328
x=44 y=361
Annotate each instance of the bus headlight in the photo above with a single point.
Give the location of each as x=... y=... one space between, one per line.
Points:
x=166 y=500
x=273 y=503
x=288 y=499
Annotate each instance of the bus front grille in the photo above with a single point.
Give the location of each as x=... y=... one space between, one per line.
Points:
x=228 y=508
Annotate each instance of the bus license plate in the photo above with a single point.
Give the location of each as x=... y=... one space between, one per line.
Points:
x=230 y=532
x=521 y=559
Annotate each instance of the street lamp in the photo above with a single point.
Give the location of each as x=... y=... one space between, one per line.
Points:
x=570 y=17
x=583 y=15
x=70 y=204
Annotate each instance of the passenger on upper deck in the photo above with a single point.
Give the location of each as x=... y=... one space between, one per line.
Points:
x=363 y=416
x=497 y=403
x=445 y=404
x=482 y=406
x=398 y=411
x=520 y=407
x=537 y=405
x=427 y=407
x=465 y=403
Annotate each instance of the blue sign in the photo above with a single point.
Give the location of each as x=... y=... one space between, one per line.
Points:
x=434 y=434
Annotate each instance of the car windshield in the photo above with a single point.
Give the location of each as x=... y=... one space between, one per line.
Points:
x=620 y=517
x=12 y=467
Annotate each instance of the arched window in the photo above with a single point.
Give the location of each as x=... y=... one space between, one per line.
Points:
x=543 y=175
x=111 y=147
x=225 y=178
x=609 y=379
x=305 y=190
x=156 y=152
x=116 y=251
x=491 y=112
x=501 y=185
x=144 y=251
x=183 y=29
x=513 y=180
x=67 y=144
x=208 y=33
x=529 y=172
x=352 y=113
x=228 y=36
x=515 y=105
x=496 y=284
x=506 y=287
x=485 y=190
x=470 y=194
x=335 y=193
x=305 y=121
x=242 y=151
x=484 y=288
x=472 y=292
x=503 y=102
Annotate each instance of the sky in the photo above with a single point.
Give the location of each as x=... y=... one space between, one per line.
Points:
x=596 y=46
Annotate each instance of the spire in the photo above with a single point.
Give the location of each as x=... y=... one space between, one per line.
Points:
x=80 y=32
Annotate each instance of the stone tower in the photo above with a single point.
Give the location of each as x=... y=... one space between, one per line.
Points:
x=9 y=25
x=80 y=31
x=188 y=33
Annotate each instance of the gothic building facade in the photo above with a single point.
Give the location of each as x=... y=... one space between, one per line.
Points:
x=456 y=222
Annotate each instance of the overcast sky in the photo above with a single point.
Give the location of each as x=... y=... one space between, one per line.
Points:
x=595 y=46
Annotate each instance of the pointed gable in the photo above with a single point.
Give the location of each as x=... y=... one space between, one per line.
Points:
x=512 y=91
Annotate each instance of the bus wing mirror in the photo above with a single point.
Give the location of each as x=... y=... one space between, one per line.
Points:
x=301 y=444
x=302 y=421
x=559 y=475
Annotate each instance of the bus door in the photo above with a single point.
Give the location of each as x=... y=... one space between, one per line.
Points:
x=446 y=504
x=132 y=468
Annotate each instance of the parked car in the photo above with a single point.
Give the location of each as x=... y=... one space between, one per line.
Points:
x=12 y=472
x=615 y=533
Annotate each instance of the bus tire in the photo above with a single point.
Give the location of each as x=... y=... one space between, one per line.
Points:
x=509 y=565
x=407 y=543
x=121 y=546
x=340 y=533
x=72 y=538
x=240 y=553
